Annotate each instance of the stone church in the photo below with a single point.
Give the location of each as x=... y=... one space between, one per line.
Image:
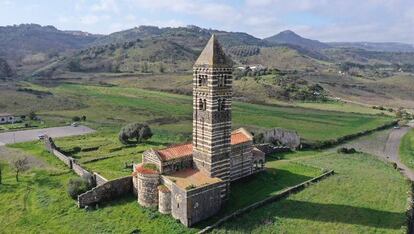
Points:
x=192 y=181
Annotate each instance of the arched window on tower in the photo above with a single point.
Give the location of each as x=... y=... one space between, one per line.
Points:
x=221 y=80
x=200 y=80
x=200 y=104
x=204 y=104
x=221 y=104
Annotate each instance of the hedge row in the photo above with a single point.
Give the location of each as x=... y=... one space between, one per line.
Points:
x=307 y=144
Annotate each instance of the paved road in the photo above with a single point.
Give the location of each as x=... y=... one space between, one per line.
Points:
x=30 y=135
x=392 y=150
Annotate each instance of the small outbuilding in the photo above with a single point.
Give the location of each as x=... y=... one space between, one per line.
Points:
x=6 y=118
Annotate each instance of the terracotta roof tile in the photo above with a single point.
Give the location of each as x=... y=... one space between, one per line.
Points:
x=184 y=150
x=176 y=151
x=141 y=169
x=239 y=137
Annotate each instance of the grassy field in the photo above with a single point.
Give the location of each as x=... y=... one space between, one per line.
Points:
x=407 y=149
x=248 y=88
x=116 y=106
x=365 y=196
x=41 y=204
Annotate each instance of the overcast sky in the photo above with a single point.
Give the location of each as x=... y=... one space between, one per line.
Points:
x=325 y=20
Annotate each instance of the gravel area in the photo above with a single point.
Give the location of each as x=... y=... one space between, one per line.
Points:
x=31 y=135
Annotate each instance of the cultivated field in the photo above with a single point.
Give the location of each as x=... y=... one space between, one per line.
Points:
x=365 y=196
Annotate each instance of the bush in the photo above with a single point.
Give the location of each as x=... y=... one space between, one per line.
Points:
x=140 y=132
x=76 y=118
x=344 y=150
x=78 y=186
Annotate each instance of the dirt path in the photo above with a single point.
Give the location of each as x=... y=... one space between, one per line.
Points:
x=385 y=145
x=392 y=150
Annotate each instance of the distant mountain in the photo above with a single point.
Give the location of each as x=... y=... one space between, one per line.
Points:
x=18 y=41
x=291 y=38
x=374 y=46
x=150 y=49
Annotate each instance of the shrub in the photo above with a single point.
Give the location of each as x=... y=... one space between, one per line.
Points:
x=76 y=118
x=191 y=186
x=78 y=186
x=150 y=166
x=344 y=150
x=32 y=115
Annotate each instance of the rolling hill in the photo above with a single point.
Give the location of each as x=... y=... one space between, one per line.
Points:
x=291 y=38
x=32 y=43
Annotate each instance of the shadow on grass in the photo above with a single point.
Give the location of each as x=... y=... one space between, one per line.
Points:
x=247 y=191
x=332 y=213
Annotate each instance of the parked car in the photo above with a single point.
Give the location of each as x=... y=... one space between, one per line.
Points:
x=397 y=127
x=74 y=124
x=41 y=136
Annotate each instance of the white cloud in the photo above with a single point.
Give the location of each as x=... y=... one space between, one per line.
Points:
x=92 y=19
x=106 y=6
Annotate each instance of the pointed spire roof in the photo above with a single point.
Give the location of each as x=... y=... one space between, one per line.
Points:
x=213 y=55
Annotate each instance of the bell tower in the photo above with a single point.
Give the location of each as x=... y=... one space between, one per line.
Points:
x=212 y=93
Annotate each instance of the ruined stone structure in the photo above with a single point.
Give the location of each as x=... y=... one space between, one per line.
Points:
x=192 y=180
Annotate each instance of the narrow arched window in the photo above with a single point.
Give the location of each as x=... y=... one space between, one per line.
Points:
x=205 y=104
x=223 y=104
x=200 y=104
x=200 y=80
x=219 y=105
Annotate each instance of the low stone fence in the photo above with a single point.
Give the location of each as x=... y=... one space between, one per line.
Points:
x=65 y=159
x=99 y=180
x=271 y=149
x=106 y=192
x=72 y=163
x=279 y=196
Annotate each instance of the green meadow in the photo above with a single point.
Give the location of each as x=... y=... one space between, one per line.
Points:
x=40 y=203
x=113 y=107
x=364 y=196
x=407 y=149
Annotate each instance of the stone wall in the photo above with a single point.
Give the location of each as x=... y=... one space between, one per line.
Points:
x=80 y=171
x=65 y=159
x=99 y=180
x=95 y=179
x=106 y=192
x=271 y=149
x=287 y=138
x=241 y=163
x=164 y=200
x=195 y=205
x=148 y=189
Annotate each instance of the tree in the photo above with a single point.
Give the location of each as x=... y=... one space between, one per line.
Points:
x=74 y=65
x=20 y=165
x=32 y=115
x=137 y=131
x=83 y=118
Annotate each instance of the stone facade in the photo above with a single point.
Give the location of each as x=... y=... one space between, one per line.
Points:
x=148 y=188
x=164 y=200
x=195 y=177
